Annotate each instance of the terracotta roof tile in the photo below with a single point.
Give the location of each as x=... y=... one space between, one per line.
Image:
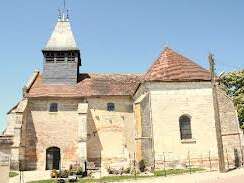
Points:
x=171 y=66
x=89 y=85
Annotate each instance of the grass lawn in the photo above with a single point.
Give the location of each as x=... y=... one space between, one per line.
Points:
x=13 y=174
x=176 y=171
x=104 y=179
x=44 y=181
x=130 y=177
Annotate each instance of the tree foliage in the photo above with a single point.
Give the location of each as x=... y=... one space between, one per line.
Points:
x=234 y=85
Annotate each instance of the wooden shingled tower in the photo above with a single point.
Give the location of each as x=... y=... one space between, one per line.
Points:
x=61 y=55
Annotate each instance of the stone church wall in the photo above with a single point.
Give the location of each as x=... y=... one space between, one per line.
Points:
x=15 y=118
x=44 y=129
x=168 y=102
x=110 y=133
x=144 y=141
x=231 y=133
x=5 y=151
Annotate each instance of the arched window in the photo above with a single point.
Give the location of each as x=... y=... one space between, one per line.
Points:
x=110 y=107
x=185 y=127
x=53 y=107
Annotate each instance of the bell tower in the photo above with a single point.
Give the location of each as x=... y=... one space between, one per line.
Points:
x=61 y=55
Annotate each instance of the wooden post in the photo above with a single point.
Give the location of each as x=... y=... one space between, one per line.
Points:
x=134 y=163
x=216 y=115
x=210 y=163
x=164 y=166
x=189 y=160
x=201 y=161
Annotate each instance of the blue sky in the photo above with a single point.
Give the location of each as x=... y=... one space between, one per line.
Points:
x=118 y=36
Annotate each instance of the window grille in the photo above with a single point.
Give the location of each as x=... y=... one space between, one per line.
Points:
x=110 y=107
x=185 y=127
x=53 y=107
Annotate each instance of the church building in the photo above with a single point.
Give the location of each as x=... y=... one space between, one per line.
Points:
x=67 y=118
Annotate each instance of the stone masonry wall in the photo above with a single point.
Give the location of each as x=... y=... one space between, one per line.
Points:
x=44 y=129
x=110 y=133
x=231 y=133
x=145 y=137
x=168 y=102
x=5 y=151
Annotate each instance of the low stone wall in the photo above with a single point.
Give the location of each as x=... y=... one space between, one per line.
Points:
x=4 y=168
x=201 y=162
x=5 y=144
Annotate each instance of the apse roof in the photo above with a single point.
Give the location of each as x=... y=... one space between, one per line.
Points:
x=172 y=66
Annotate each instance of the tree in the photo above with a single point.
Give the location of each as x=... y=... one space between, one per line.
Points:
x=234 y=84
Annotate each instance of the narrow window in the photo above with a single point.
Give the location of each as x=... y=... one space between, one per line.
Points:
x=185 y=127
x=53 y=107
x=110 y=107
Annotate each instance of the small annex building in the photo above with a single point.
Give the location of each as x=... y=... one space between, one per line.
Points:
x=67 y=117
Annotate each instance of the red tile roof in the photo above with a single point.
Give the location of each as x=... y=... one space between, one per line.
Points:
x=171 y=66
x=89 y=85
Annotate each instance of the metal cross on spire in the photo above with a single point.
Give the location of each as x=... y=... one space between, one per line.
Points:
x=62 y=16
x=64 y=5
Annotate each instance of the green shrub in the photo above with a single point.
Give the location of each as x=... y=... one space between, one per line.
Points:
x=127 y=170
x=142 y=165
x=54 y=174
x=64 y=174
x=79 y=171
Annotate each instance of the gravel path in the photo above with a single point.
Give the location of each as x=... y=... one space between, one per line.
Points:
x=235 y=176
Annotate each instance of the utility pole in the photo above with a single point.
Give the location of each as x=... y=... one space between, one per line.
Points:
x=216 y=115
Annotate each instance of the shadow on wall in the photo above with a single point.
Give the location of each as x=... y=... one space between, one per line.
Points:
x=94 y=145
x=237 y=158
x=29 y=142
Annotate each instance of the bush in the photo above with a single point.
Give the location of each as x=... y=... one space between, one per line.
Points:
x=115 y=171
x=64 y=174
x=127 y=170
x=54 y=174
x=142 y=165
x=79 y=171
